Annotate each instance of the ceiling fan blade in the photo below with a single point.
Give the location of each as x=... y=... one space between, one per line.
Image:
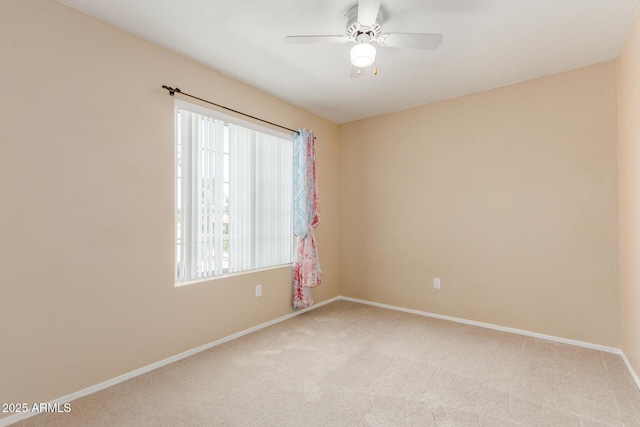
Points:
x=411 y=40
x=368 y=12
x=356 y=72
x=316 y=39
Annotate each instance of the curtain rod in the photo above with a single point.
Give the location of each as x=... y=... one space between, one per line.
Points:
x=172 y=91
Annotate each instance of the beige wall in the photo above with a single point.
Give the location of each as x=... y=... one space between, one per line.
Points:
x=509 y=196
x=629 y=188
x=86 y=221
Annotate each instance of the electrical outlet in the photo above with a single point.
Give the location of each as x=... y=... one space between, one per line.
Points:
x=436 y=283
x=258 y=290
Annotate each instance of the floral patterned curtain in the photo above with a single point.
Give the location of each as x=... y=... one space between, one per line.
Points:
x=306 y=216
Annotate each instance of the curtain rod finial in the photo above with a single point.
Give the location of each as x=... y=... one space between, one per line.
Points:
x=171 y=90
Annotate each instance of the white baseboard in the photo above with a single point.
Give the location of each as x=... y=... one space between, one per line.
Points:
x=124 y=377
x=592 y=346
x=488 y=326
x=630 y=368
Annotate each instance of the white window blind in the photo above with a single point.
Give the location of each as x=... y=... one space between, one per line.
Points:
x=233 y=196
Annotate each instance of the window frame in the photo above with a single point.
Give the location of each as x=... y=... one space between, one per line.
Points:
x=227 y=119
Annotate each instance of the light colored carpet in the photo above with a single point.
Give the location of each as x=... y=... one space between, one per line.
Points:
x=347 y=364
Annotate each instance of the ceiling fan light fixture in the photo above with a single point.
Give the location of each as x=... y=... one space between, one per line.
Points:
x=363 y=55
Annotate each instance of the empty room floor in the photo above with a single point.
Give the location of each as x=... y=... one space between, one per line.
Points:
x=349 y=364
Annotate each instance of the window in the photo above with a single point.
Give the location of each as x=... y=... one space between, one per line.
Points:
x=233 y=195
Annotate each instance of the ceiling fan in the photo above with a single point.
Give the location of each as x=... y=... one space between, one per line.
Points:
x=364 y=22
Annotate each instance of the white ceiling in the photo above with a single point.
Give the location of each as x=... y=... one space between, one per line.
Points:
x=486 y=43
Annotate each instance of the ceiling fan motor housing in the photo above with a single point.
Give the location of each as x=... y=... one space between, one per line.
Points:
x=354 y=28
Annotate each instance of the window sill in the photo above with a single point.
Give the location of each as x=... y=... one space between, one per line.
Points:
x=225 y=276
